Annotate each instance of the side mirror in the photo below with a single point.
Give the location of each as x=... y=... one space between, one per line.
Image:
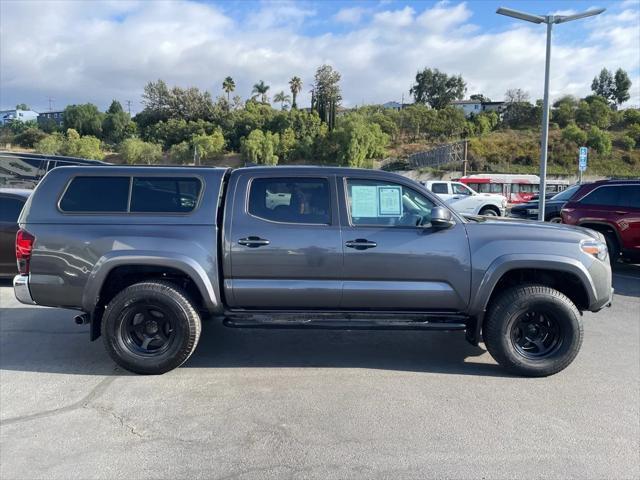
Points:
x=441 y=218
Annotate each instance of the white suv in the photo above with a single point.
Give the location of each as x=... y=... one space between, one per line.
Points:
x=466 y=200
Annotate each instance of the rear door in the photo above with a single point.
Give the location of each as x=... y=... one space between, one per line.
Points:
x=284 y=243
x=393 y=258
x=10 y=207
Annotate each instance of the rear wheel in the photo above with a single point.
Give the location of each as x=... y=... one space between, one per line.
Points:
x=533 y=330
x=489 y=212
x=150 y=328
x=555 y=219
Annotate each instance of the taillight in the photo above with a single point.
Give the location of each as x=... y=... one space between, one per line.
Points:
x=24 y=246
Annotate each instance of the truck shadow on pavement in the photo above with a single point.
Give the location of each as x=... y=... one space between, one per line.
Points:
x=45 y=340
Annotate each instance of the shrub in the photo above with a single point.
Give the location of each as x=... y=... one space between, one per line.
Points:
x=631 y=116
x=634 y=132
x=627 y=143
x=181 y=153
x=51 y=144
x=136 y=151
x=574 y=134
x=600 y=141
x=209 y=146
x=259 y=147
x=29 y=137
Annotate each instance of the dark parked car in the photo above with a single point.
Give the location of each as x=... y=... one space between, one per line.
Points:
x=611 y=207
x=11 y=203
x=552 y=207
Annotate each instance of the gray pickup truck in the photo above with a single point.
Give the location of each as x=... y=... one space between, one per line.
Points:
x=144 y=253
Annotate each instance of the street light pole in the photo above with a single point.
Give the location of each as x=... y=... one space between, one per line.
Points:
x=545 y=127
x=544 y=140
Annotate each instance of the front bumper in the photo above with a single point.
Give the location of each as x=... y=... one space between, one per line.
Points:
x=21 y=289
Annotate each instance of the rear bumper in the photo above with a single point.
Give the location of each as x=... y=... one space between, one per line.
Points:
x=21 y=289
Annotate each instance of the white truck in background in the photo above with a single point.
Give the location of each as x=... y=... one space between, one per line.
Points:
x=466 y=200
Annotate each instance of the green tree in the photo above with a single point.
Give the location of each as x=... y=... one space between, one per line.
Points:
x=479 y=97
x=83 y=147
x=295 y=84
x=181 y=153
x=135 y=151
x=631 y=116
x=634 y=132
x=622 y=84
x=208 y=146
x=627 y=143
x=282 y=98
x=603 y=84
x=598 y=140
x=564 y=110
x=23 y=106
x=29 y=137
x=574 y=134
x=287 y=143
x=357 y=142
x=436 y=88
x=228 y=85
x=51 y=144
x=86 y=119
x=326 y=94
x=260 y=147
x=261 y=89
x=117 y=124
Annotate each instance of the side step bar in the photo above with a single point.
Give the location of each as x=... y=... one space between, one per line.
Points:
x=346 y=320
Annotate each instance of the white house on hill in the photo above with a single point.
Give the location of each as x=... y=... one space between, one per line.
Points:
x=7 y=116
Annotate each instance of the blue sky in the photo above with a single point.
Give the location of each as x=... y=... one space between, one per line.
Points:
x=96 y=51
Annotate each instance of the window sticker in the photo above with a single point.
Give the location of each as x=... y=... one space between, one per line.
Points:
x=390 y=201
x=364 y=201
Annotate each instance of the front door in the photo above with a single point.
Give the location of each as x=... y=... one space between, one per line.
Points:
x=285 y=244
x=393 y=258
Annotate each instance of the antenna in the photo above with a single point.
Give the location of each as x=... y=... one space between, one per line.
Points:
x=51 y=100
x=129 y=106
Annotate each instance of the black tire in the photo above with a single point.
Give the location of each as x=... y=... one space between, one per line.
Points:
x=150 y=328
x=490 y=212
x=554 y=219
x=612 y=247
x=533 y=330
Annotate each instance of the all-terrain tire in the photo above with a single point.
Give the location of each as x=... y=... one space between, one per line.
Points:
x=489 y=211
x=512 y=319
x=151 y=309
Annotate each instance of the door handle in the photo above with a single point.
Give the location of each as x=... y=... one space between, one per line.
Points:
x=253 y=242
x=360 y=244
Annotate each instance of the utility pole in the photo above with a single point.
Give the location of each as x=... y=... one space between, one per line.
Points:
x=549 y=20
x=464 y=163
x=129 y=107
x=51 y=100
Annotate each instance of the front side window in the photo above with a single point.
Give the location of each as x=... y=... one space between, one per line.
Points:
x=10 y=209
x=164 y=195
x=291 y=200
x=614 y=196
x=459 y=189
x=381 y=203
x=96 y=194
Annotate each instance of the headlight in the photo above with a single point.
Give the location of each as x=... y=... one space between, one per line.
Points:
x=594 y=247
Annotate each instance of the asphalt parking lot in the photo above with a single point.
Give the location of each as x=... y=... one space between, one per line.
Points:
x=319 y=404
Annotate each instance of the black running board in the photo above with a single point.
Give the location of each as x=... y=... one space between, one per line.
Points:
x=346 y=321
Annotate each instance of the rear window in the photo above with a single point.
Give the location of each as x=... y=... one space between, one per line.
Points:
x=164 y=195
x=439 y=188
x=148 y=195
x=96 y=194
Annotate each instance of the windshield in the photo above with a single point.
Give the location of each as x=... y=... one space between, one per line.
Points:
x=567 y=194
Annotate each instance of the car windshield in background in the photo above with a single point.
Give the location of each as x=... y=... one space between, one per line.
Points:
x=567 y=194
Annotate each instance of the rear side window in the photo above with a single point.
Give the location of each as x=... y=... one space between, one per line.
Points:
x=614 y=196
x=439 y=188
x=291 y=200
x=164 y=195
x=10 y=209
x=96 y=194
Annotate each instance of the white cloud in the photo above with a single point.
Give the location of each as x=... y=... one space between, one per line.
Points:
x=93 y=52
x=350 y=15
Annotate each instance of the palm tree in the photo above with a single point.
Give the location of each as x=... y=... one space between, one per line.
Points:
x=282 y=98
x=296 y=85
x=228 y=85
x=261 y=88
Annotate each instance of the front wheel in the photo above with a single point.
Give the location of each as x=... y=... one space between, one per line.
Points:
x=533 y=330
x=150 y=327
